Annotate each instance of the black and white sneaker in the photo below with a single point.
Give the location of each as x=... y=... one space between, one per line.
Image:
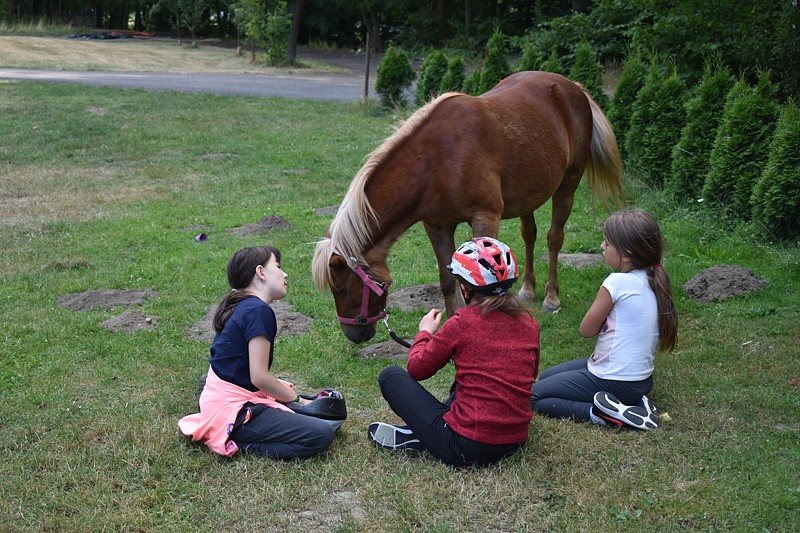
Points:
x=393 y=437
x=635 y=416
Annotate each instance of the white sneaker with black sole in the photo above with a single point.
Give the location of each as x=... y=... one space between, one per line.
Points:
x=394 y=437
x=635 y=416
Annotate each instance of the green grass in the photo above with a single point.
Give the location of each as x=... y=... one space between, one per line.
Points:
x=103 y=188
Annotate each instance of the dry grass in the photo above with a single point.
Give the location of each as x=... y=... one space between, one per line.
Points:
x=132 y=55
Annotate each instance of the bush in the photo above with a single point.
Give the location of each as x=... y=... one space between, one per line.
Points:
x=553 y=64
x=776 y=196
x=703 y=111
x=631 y=80
x=496 y=66
x=588 y=72
x=453 y=79
x=394 y=76
x=532 y=58
x=430 y=76
x=642 y=114
x=740 y=147
x=472 y=83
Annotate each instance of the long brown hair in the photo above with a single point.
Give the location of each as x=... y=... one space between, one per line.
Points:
x=241 y=269
x=636 y=235
x=505 y=302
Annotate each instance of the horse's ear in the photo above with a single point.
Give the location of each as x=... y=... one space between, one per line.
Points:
x=338 y=270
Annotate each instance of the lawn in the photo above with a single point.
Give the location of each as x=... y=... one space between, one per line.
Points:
x=102 y=188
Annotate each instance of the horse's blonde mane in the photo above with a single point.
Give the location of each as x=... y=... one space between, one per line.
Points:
x=350 y=229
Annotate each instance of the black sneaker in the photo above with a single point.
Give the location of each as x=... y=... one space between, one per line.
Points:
x=393 y=437
x=635 y=416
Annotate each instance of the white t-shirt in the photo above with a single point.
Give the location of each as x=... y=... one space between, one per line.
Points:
x=627 y=341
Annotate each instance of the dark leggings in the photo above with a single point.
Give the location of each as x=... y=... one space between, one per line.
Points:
x=279 y=434
x=424 y=415
x=567 y=390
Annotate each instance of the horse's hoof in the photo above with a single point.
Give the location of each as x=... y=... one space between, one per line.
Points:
x=550 y=307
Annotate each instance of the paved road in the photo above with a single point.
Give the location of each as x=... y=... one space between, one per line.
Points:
x=338 y=87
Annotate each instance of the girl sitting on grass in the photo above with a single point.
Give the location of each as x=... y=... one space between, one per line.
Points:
x=494 y=345
x=633 y=315
x=242 y=406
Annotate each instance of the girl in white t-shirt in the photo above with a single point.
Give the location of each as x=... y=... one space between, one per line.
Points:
x=632 y=316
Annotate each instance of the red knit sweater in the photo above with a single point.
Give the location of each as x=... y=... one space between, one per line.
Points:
x=496 y=357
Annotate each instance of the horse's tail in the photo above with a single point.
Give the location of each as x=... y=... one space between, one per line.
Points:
x=604 y=170
x=320 y=272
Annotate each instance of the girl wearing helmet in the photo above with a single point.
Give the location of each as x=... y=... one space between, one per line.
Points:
x=494 y=345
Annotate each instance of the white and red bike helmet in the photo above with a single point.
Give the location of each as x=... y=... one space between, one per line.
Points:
x=486 y=264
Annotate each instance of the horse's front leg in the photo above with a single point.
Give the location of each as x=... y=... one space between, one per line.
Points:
x=527 y=291
x=441 y=238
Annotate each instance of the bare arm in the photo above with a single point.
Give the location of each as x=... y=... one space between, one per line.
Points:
x=597 y=314
x=258 y=352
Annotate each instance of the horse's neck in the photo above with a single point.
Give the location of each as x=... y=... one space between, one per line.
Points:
x=395 y=214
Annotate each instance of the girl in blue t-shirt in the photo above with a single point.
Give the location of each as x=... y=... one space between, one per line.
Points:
x=632 y=316
x=241 y=355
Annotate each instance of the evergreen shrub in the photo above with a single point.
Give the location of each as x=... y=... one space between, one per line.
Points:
x=496 y=66
x=394 y=76
x=430 y=76
x=776 y=196
x=642 y=115
x=631 y=80
x=453 y=79
x=588 y=72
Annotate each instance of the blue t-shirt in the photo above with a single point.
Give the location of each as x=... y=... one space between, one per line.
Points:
x=229 y=355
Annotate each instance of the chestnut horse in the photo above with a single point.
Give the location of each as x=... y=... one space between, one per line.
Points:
x=467 y=159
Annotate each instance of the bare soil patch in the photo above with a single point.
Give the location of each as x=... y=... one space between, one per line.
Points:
x=723 y=281
x=106 y=299
x=289 y=322
x=266 y=224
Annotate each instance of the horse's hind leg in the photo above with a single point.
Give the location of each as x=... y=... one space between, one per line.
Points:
x=528 y=229
x=442 y=240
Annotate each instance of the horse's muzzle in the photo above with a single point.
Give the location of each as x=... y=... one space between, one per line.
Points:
x=358 y=334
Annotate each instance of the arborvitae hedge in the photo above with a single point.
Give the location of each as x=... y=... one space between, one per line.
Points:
x=496 y=66
x=430 y=76
x=588 y=72
x=394 y=76
x=663 y=130
x=552 y=64
x=703 y=111
x=531 y=58
x=453 y=79
x=776 y=196
x=641 y=116
x=740 y=147
x=631 y=80
x=472 y=83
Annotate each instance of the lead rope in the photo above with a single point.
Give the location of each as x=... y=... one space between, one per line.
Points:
x=395 y=337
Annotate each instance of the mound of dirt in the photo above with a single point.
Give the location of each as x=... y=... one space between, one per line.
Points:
x=419 y=297
x=106 y=299
x=268 y=223
x=384 y=350
x=130 y=321
x=723 y=281
x=289 y=323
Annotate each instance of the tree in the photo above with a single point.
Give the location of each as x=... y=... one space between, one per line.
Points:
x=631 y=80
x=776 y=196
x=429 y=77
x=588 y=72
x=739 y=152
x=394 y=76
x=496 y=66
x=703 y=111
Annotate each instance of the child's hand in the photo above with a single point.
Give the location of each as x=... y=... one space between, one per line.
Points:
x=430 y=322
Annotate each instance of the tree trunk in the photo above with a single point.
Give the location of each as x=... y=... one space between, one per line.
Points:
x=291 y=51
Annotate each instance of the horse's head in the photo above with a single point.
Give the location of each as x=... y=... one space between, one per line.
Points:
x=360 y=300
x=359 y=292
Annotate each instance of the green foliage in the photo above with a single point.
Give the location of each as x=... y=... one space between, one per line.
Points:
x=496 y=66
x=453 y=79
x=664 y=131
x=394 y=76
x=776 y=196
x=553 y=64
x=588 y=72
x=741 y=145
x=690 y=157
x=429 y=77
x=631 y=80
x=266 y=24
x=472 y=83
x=532 y=57
x=642 y=115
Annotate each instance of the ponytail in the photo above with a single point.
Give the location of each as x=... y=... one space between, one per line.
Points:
x=667 y=315
x=226 y=307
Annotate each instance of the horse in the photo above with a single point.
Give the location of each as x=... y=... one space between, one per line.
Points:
x=474 y=159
